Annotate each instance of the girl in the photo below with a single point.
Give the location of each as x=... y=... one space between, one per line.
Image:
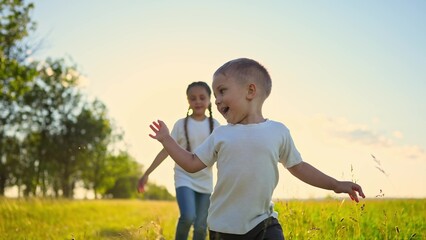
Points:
x=193 y=190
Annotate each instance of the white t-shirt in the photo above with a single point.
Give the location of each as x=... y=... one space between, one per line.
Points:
x=198 y=131
x=247 y=159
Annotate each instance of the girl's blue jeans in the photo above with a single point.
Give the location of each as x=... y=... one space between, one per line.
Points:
x=193 y=208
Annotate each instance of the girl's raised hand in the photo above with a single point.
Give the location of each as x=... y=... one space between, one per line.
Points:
x=160 y=129
x=141 y=184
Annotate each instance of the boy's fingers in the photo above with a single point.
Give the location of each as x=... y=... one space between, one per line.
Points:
x=354 y=196
x=359 y=190
x=361 y=193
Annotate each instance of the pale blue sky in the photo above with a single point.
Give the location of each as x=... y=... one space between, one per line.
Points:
x=349 y=77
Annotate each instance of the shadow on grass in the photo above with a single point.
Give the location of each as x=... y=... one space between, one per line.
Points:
x=148 y=232
x=112 y=233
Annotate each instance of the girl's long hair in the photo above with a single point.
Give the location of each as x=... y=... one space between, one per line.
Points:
x=211 y=123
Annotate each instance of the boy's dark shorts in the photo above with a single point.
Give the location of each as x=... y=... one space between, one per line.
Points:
x=269 y=229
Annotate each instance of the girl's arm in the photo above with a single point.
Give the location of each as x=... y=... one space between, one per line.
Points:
x=157 y=161
x=310 y=175
x=185 y=159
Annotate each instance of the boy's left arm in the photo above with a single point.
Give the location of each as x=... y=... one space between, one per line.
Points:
x=310 y=175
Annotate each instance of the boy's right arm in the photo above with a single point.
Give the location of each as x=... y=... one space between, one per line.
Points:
x=185 y=159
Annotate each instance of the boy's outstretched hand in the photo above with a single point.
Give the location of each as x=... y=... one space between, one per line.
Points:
x=350 y=188
x=160 y=129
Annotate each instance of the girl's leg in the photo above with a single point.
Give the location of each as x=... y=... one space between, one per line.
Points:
x=186 y=201
x=202 y=203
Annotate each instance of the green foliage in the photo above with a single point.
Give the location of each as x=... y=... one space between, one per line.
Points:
x=155 y=192
x=15 y=25
x=135 y=219
x=51 y=136
x=121 y=177
x=370 y=219
x=86 y=219
x=125 y=174
x=15 y=77
x=124 y=187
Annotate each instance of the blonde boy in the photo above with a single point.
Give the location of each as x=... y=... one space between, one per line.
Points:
x=247 y=151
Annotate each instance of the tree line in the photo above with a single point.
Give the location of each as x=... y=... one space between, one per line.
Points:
x=54 y=138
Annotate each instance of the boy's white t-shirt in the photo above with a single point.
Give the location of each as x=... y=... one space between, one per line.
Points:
x=247 y=159
x=198 y=131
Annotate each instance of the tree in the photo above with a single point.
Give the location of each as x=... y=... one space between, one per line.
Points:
x=51 y=137
x=124 y=174
x=15 y=74
x=95 y=160
x=51 y=108
x=10 y=160
x=155 y=192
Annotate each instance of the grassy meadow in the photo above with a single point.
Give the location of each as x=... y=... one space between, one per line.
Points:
x=135 y=219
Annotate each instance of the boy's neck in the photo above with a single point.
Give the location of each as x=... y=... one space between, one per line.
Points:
x=254 y=115
x=253 y=119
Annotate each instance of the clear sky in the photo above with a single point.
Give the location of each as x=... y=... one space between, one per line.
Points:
x=349 y=77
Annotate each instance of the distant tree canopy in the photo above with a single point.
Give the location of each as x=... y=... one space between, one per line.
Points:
x=155 y=192
x=52 y=138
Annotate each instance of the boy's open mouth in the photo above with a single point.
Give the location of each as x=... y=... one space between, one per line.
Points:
x=225 y=110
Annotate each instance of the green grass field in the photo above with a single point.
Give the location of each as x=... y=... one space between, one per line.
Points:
x=134 y=219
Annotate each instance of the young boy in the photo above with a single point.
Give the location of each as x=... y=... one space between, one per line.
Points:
x=247 y=152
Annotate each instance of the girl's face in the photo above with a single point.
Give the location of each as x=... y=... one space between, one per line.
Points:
x=199 y=101
x=231 y=99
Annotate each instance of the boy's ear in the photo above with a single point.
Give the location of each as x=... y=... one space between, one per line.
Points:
x=251 y=91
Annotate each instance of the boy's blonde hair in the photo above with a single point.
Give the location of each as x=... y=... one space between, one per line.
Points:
x=245 y=70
